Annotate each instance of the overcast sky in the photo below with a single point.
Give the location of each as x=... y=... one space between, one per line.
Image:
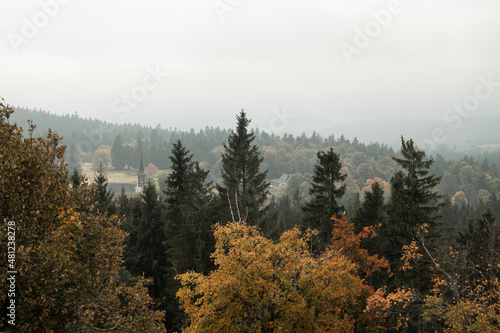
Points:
x=292 y=65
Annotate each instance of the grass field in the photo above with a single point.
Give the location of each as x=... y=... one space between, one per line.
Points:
x=113 y=175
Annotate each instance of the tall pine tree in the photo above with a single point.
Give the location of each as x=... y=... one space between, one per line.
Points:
x=414 y=202
x=189 y=237
x=245 y=189
x=118 y=153
x=325 y=190
x=102 y=197
x=144 y=253
x=372 y=212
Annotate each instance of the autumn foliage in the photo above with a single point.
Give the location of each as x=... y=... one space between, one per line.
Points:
x=68 y=258
x=151 y=170
x=265 y=286
x=348 y=243
x=465 y=289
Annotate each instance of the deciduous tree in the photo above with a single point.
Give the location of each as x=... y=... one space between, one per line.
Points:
x=261 y=286
x=67 y=257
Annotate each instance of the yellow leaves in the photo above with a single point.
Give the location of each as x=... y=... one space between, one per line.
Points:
x=261 y=285
x=410 y=256
x=475 y=306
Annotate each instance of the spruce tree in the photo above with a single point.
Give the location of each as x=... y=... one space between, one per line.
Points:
x=190 y=214
x=413 y=203
x=177 y=227
x=371 y=213
x=189 y=217
x=144 y=253
x=103 y=198
x=325 y=190
x=74 y=160
x=177 y=181
x=118 y=154
x=75 y=178
x=244 y=190
x=480 y=243
x=123 y=204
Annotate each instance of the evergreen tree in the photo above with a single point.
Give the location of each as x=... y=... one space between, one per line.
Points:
x=371 y=212
x=199 y=210
x=244 y=188
x=189 y=216
x=74 y=160
x=325 y=191
x=288 y=214
x=75 y=178
x=414 y=202
x=144 y=253
x=137 y=152
x=118 y=153
x=103 y=198
x=190 y=213
x=480 y=243
x=177 y=180
x=123 y=204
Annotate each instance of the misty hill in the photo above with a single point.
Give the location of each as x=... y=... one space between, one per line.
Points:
x=90 y=140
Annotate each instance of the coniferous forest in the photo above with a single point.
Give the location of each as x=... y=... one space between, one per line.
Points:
x=239 y=230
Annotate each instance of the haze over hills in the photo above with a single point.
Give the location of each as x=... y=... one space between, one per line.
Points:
x=463 y=136
x=480 y=131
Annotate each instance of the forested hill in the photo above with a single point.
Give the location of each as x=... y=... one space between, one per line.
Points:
x=89 y=140
x=359 y=238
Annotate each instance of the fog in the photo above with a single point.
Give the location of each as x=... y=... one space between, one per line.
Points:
x=294 y=66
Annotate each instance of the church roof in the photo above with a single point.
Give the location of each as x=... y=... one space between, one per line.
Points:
x=142 y=170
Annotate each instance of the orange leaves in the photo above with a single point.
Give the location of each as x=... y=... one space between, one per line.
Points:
x=346 y=242
x=410 y=256
x=380 y=305
x=383 y=184
x=152 y=170
x=264 y=286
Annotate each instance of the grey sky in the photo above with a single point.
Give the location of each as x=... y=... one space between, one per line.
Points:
x=268 y=57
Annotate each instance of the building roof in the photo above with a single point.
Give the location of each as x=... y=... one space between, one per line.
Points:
x=142 y=170
x=116 y=188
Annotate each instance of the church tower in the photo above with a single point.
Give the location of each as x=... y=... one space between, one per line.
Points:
x=141 y=175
